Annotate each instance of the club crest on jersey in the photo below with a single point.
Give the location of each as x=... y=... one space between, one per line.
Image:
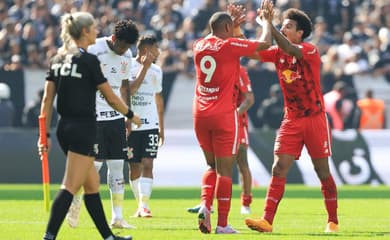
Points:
x=124 y=65
x=290 y=76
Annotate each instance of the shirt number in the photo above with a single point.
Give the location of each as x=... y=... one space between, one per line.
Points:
x=153 y=139
x=208 y=70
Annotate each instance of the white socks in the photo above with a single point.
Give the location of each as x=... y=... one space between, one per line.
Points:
x=135 y=186
x=142 y=189
x=116 y=183
x=145 y=190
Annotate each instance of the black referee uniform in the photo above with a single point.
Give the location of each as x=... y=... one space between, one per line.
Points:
x=76 y=82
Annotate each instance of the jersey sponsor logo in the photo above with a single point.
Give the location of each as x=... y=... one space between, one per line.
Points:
x=290 y=76
x=211 y=98
x=109 y=114
x=151 y=150
x=66 y=69
x=207 y=89
x=139 y=101
x=239 y=44
x=200 y=46
x=144 y=121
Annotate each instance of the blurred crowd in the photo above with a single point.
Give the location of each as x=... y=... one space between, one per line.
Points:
x=353 y=36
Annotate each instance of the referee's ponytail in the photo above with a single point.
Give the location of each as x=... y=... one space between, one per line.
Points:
x=72 y=26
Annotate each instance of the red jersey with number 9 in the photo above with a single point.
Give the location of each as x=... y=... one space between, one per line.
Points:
x=217 y=64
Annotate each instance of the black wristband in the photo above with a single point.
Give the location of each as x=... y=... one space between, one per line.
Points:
x=129 y=114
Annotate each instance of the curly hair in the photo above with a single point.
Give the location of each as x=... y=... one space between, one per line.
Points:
x=302 y=19
x=127 y=31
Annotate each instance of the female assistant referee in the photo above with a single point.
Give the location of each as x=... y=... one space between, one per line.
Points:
x=74 y=76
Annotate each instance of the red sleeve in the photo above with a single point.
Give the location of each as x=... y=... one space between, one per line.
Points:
x=309 y=52
x=269 y=55
x=242 y=47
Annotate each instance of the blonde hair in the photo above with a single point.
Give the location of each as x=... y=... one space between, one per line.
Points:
x=72 y=26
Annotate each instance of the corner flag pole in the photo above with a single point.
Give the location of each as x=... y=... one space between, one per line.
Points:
x=45 y=163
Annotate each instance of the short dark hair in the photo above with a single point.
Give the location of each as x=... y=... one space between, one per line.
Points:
x=127 y=31
x=146 y=40
x=302 y=19
x=218 y=19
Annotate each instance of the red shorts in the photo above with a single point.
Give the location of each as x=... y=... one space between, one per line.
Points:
x=312 y=131
x=218 y=134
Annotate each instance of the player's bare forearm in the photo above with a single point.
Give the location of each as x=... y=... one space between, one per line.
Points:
x=146 y=60
x=112 y=99
x=285 y=44
x=247 y=103
x=125 y=91
x=160 y=111
x=134 y=85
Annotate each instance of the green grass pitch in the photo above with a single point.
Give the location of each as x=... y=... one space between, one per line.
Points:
x=364 y=213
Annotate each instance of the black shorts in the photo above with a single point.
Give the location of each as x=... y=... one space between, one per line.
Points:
x=111 y=139
x=144 y=144
x=78 y=136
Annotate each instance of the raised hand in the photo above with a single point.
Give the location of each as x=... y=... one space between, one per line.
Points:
x=148 y=59
x=238 y=14
x=268 y=10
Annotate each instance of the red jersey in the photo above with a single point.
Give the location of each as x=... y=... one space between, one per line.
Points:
x=299 y=79
x=217 y=64
x=244 y=86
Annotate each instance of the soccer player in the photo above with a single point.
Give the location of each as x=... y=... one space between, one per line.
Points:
x=245 y=100
x=143 y=142
x=298 y=68
x=75 y=75
x=217 y=63
x=115 y=58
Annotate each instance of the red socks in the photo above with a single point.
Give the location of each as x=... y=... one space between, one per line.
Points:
x=274 y=195
x=246 y=200
x=329 y=192
x=276 y=190
x=223 y=192
x=208 y=186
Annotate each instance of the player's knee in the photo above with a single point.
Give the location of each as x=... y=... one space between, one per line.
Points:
x=279 y=170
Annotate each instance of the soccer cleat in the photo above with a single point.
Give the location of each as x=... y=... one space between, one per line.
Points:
x=196 y=208
x=331 y=227
x=204 y=220
x=143 y=212
x=123 y=238
x=120 y=223
x=245 y=210
x=260 y=225
x=73 y=215
x=225 y=230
